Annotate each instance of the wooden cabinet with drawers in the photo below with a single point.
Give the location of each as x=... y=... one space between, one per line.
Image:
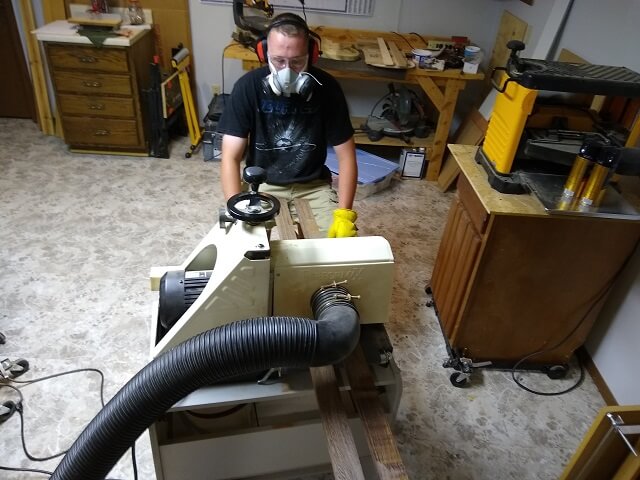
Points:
x=510 y=279
x=99 y=94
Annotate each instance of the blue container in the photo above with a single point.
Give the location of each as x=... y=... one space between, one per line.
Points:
x=374 y=173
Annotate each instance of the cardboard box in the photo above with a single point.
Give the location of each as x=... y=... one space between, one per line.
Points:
x=374 y=173
x=412 y=162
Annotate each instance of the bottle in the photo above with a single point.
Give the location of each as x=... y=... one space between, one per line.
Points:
x=135 y=12
x=472 y=59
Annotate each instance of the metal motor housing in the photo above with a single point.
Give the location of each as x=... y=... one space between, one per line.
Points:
x=178 y=290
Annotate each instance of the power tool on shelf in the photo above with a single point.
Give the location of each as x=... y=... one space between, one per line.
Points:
x=251 y=27
x=519 y=150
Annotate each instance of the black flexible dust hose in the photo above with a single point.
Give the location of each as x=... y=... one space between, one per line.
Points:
x=239 y=348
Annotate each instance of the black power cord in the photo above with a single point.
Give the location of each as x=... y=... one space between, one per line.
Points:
x=222 y=68
x=547 y=394
x=405 y=39
x=32 y=470
x=19 y=408
x=426 y=44
x=304 y=12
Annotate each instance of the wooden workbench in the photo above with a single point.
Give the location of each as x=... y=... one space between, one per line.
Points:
x=442 y=88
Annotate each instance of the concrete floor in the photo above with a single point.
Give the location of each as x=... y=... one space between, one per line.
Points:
x=78 y=234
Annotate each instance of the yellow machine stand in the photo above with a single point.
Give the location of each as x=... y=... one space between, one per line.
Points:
x=181 y=61
x=510 y=112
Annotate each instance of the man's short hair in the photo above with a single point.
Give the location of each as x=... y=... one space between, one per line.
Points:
x=290 y=25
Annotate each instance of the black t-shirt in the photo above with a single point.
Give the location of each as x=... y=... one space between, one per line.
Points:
x=288 y=136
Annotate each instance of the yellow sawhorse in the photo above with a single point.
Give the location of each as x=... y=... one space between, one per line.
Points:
x=181 y=61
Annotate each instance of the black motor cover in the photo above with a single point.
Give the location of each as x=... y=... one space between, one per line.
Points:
x=178 y=291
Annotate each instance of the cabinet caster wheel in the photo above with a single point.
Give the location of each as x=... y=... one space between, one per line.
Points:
x=20 y=366
x=459 y=380
x=9 y=408
x=187 y=155
x=427 y=290
x=556 y=372
x=430 y=303
x=15 y=368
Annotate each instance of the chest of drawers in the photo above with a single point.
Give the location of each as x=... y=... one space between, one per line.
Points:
x=98 y=93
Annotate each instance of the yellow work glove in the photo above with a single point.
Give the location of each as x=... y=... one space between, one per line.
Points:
x=343 y=223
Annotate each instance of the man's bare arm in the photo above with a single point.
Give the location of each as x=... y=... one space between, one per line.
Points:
x=347 y=173
x=232 y=151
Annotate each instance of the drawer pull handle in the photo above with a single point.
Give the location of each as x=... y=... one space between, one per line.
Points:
x=92 y=84
x=96 y=106
x=88 y=59
x=102 y=133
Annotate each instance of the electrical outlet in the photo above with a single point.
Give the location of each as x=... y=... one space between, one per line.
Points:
x=438 y=44
x=215 y=89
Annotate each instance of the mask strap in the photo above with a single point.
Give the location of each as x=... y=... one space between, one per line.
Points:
x=274 y=81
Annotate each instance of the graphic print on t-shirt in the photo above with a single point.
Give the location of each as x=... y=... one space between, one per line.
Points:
x=285 y=145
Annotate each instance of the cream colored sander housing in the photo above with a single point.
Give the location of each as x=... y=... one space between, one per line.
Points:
x=249 y=276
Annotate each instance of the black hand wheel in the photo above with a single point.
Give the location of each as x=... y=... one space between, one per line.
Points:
x=253 y=207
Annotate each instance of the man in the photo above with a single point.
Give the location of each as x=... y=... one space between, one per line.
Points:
x=284 y=116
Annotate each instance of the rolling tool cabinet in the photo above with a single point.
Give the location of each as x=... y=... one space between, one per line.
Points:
x=511 y=279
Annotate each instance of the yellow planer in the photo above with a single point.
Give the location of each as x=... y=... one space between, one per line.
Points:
x=518 y=86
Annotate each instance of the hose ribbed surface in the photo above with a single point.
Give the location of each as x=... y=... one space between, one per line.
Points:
x=239 y=348
x=329 y=297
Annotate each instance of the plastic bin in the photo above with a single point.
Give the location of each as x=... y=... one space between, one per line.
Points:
x=374 y=173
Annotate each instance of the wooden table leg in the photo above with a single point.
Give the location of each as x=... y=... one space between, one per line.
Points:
x=446 y=105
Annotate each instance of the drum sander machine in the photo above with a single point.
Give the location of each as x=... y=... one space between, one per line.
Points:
x=239 y=305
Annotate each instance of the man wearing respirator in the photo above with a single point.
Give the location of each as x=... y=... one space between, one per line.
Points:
x=285 y=115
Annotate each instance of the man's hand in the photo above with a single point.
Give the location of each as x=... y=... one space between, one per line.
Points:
x=343 y=223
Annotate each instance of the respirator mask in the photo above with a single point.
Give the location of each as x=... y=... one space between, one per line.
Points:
x=288 y=76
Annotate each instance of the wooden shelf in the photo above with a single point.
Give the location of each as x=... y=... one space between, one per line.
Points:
x=362 y=139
